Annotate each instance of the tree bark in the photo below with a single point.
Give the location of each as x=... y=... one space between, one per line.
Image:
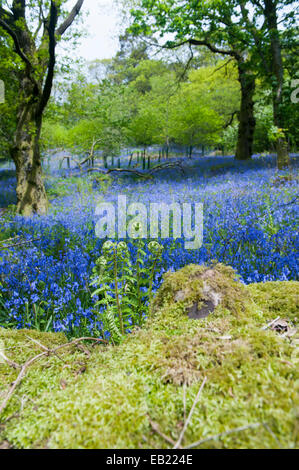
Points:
x=246 y=115
x=31 y=194
x=270 y=13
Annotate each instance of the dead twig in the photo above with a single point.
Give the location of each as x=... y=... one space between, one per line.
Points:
x=222 y=434
x=44 y=347
x=184 y=400
x=156 y=428
x=75 y=341
x=267 y=427
x=9 y=361
x=38 y=343
x=46 y=352
x=19 y=379
x=20 y=244
x=10 y=239
x=178 y=443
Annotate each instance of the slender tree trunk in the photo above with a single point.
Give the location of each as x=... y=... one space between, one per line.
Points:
x=246 y=116
x=31 y=194
x=270 y=12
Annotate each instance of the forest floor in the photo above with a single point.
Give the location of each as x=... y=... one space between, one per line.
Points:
x=237 y=369
x=91 y=395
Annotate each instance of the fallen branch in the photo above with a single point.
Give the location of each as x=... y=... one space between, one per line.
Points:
x=10 y=239
x=19 y=379
x=118 y=170
x=178 y=443
x=90 y=154
x=20 y=244
x=141 y=174
x=167 y=165
x=47 y=352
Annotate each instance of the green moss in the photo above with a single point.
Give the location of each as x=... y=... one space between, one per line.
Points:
x=193 y=284
x=277 y=298
x=251 y=375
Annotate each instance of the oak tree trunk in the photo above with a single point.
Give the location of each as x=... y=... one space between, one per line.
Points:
x=270 y=12
x=246 y=116
x=31 y=194
x=283 y=158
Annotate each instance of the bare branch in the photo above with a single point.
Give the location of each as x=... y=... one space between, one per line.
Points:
x=4 y=247
x=215 y=49
x=179 y=441
x=222 y=434
x=221 y=66
x=69 y=20
x=28 y=363
x=201 y=42
x=41 y=21
x=230 y=121
x=186 y=67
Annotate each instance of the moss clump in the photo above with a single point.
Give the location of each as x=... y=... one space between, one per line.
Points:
x=194 y=286
x=277 y=298
x=251 y=376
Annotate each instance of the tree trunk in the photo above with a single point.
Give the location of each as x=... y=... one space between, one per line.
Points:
x=270 y=12
x=31 y=194
x=283 y=158
x=246 y=116
x=38 y=56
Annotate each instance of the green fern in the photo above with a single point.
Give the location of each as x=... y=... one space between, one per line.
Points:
x=124 y=291
x=112 y=326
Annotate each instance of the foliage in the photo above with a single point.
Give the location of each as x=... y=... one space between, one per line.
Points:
x=201 y=124
x=8 y=109
x=124 y=291
x=151 y=108
x=260 y=36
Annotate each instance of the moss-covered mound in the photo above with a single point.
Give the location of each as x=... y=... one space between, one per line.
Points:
x=204 y=323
